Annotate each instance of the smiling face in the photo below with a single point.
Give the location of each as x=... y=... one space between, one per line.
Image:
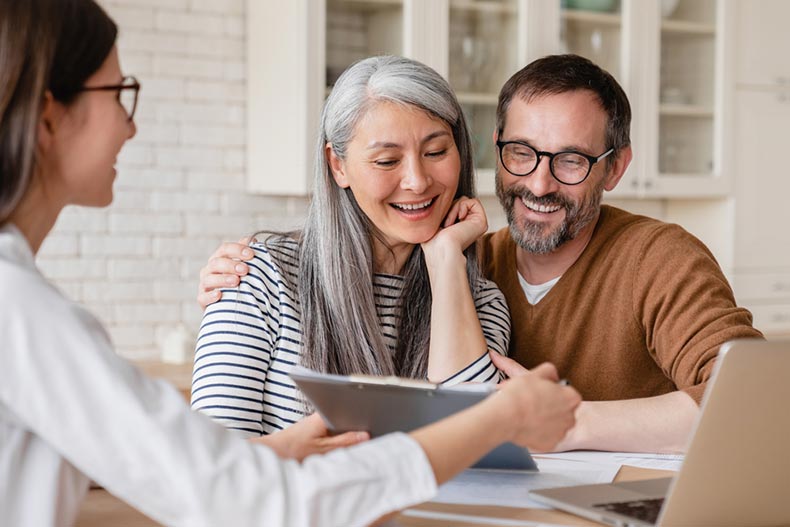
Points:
x=543 y=213
x=402 y=166
x=86 y=139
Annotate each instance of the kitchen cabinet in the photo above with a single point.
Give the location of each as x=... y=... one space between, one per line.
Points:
x=673 y=59
x=674 y=64
x=762 y=125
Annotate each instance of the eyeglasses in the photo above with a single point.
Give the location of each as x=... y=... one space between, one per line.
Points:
x=127 y=93
x=569 y=167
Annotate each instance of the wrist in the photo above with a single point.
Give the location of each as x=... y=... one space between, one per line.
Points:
x=577 y=437
x=442 y=259
x=503 y=413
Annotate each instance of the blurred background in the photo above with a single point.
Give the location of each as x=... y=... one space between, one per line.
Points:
x=232 y=91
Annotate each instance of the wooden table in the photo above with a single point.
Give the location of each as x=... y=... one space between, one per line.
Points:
x=101 y=509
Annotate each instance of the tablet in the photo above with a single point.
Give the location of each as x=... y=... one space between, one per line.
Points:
x=380 y=405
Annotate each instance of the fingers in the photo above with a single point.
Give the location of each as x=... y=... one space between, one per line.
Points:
x=225 y=265
x=344 y=440
x=312 y=425
x=463 y=207
x=205 y=298
x=210 y=284
x=507 y=365
x=452 y=214
x=543 y=411
x=239 y=250
x=547 y=371
x=223 y=269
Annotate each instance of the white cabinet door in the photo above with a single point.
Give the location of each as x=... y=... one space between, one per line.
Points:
x=762 y=185
x=763 y=42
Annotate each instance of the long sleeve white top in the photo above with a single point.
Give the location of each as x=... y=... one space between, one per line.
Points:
x=71 y=410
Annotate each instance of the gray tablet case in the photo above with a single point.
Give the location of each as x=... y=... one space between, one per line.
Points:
x=381 y=405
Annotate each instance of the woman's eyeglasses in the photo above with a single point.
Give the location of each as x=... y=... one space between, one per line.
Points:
x=127 y=93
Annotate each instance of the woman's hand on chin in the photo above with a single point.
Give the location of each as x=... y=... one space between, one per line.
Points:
x=464 y=224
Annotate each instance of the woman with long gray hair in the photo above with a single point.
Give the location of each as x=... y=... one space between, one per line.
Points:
x=72 y=411
x=383 y=279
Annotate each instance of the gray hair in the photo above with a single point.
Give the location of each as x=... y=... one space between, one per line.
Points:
x=341 y=331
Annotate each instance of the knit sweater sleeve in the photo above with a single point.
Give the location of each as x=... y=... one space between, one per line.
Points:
x=686 y=307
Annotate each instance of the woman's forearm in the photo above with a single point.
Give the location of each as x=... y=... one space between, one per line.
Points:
x=456 y=335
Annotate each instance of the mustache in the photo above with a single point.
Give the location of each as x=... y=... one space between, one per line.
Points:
x=549 y=200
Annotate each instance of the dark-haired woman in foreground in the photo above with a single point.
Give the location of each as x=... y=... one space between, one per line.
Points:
x=71 y=410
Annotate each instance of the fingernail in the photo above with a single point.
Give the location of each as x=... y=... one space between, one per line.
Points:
x=230 y=280
x=240 y=268
x=246 y=253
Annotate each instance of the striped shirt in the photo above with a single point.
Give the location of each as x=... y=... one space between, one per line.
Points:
x=251 y=339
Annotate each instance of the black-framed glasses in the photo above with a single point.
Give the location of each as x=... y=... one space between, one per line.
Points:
x=127 y=93
x=569 y=167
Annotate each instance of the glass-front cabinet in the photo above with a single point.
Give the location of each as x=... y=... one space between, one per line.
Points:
x=672 y=57
x=687 y=91
x=483 y=51
x=356 y=29
x=593 y=29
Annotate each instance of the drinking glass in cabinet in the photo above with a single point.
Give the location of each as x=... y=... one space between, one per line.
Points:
x=356 y=29
x=482 y=54
x=592 y=28
x=483 y=42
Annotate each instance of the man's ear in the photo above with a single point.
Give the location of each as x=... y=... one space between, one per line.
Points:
x=51 y=113
x=618 y=168
x=337 y=167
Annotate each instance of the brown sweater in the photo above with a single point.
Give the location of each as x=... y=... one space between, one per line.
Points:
x=642 y=312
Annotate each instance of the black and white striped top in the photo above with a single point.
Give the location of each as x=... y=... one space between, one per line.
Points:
x=251 y=339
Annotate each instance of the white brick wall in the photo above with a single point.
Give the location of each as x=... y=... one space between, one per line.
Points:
x=180 y=188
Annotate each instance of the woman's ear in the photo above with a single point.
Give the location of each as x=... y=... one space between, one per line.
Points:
x=337 y=167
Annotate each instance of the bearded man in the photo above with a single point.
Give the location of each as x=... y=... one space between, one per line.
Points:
x=631 y=310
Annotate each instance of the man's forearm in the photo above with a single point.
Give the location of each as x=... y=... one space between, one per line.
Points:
x=652 y=424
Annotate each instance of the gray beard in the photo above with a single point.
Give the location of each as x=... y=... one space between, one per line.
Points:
x=531 y=236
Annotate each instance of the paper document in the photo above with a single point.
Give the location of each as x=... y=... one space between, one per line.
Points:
x=468 y=518
x=510 y=488
x=643 y=460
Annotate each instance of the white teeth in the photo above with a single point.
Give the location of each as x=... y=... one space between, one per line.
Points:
x=539 y=208
x=413 y=206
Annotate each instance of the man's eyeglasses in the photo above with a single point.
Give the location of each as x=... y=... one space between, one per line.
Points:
x=569 y=168
x=127 y=93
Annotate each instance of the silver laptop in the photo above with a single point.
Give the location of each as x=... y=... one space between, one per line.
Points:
x=737 y=468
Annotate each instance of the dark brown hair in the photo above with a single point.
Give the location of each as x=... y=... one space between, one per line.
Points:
x=45 y=45
x=557 y=74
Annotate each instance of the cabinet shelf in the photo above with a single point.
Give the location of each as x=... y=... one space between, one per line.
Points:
x=685 y=110
x=483 y=6
x=367 y=5
x=684 y=27
x=591 y=17
x=489 y=99
x=671 y=69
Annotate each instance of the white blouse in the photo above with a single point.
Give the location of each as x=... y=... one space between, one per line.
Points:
x=71 y=410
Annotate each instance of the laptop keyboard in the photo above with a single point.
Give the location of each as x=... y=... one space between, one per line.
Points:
x=645 y=510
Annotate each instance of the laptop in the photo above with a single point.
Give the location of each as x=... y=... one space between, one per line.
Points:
x=736 y=471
